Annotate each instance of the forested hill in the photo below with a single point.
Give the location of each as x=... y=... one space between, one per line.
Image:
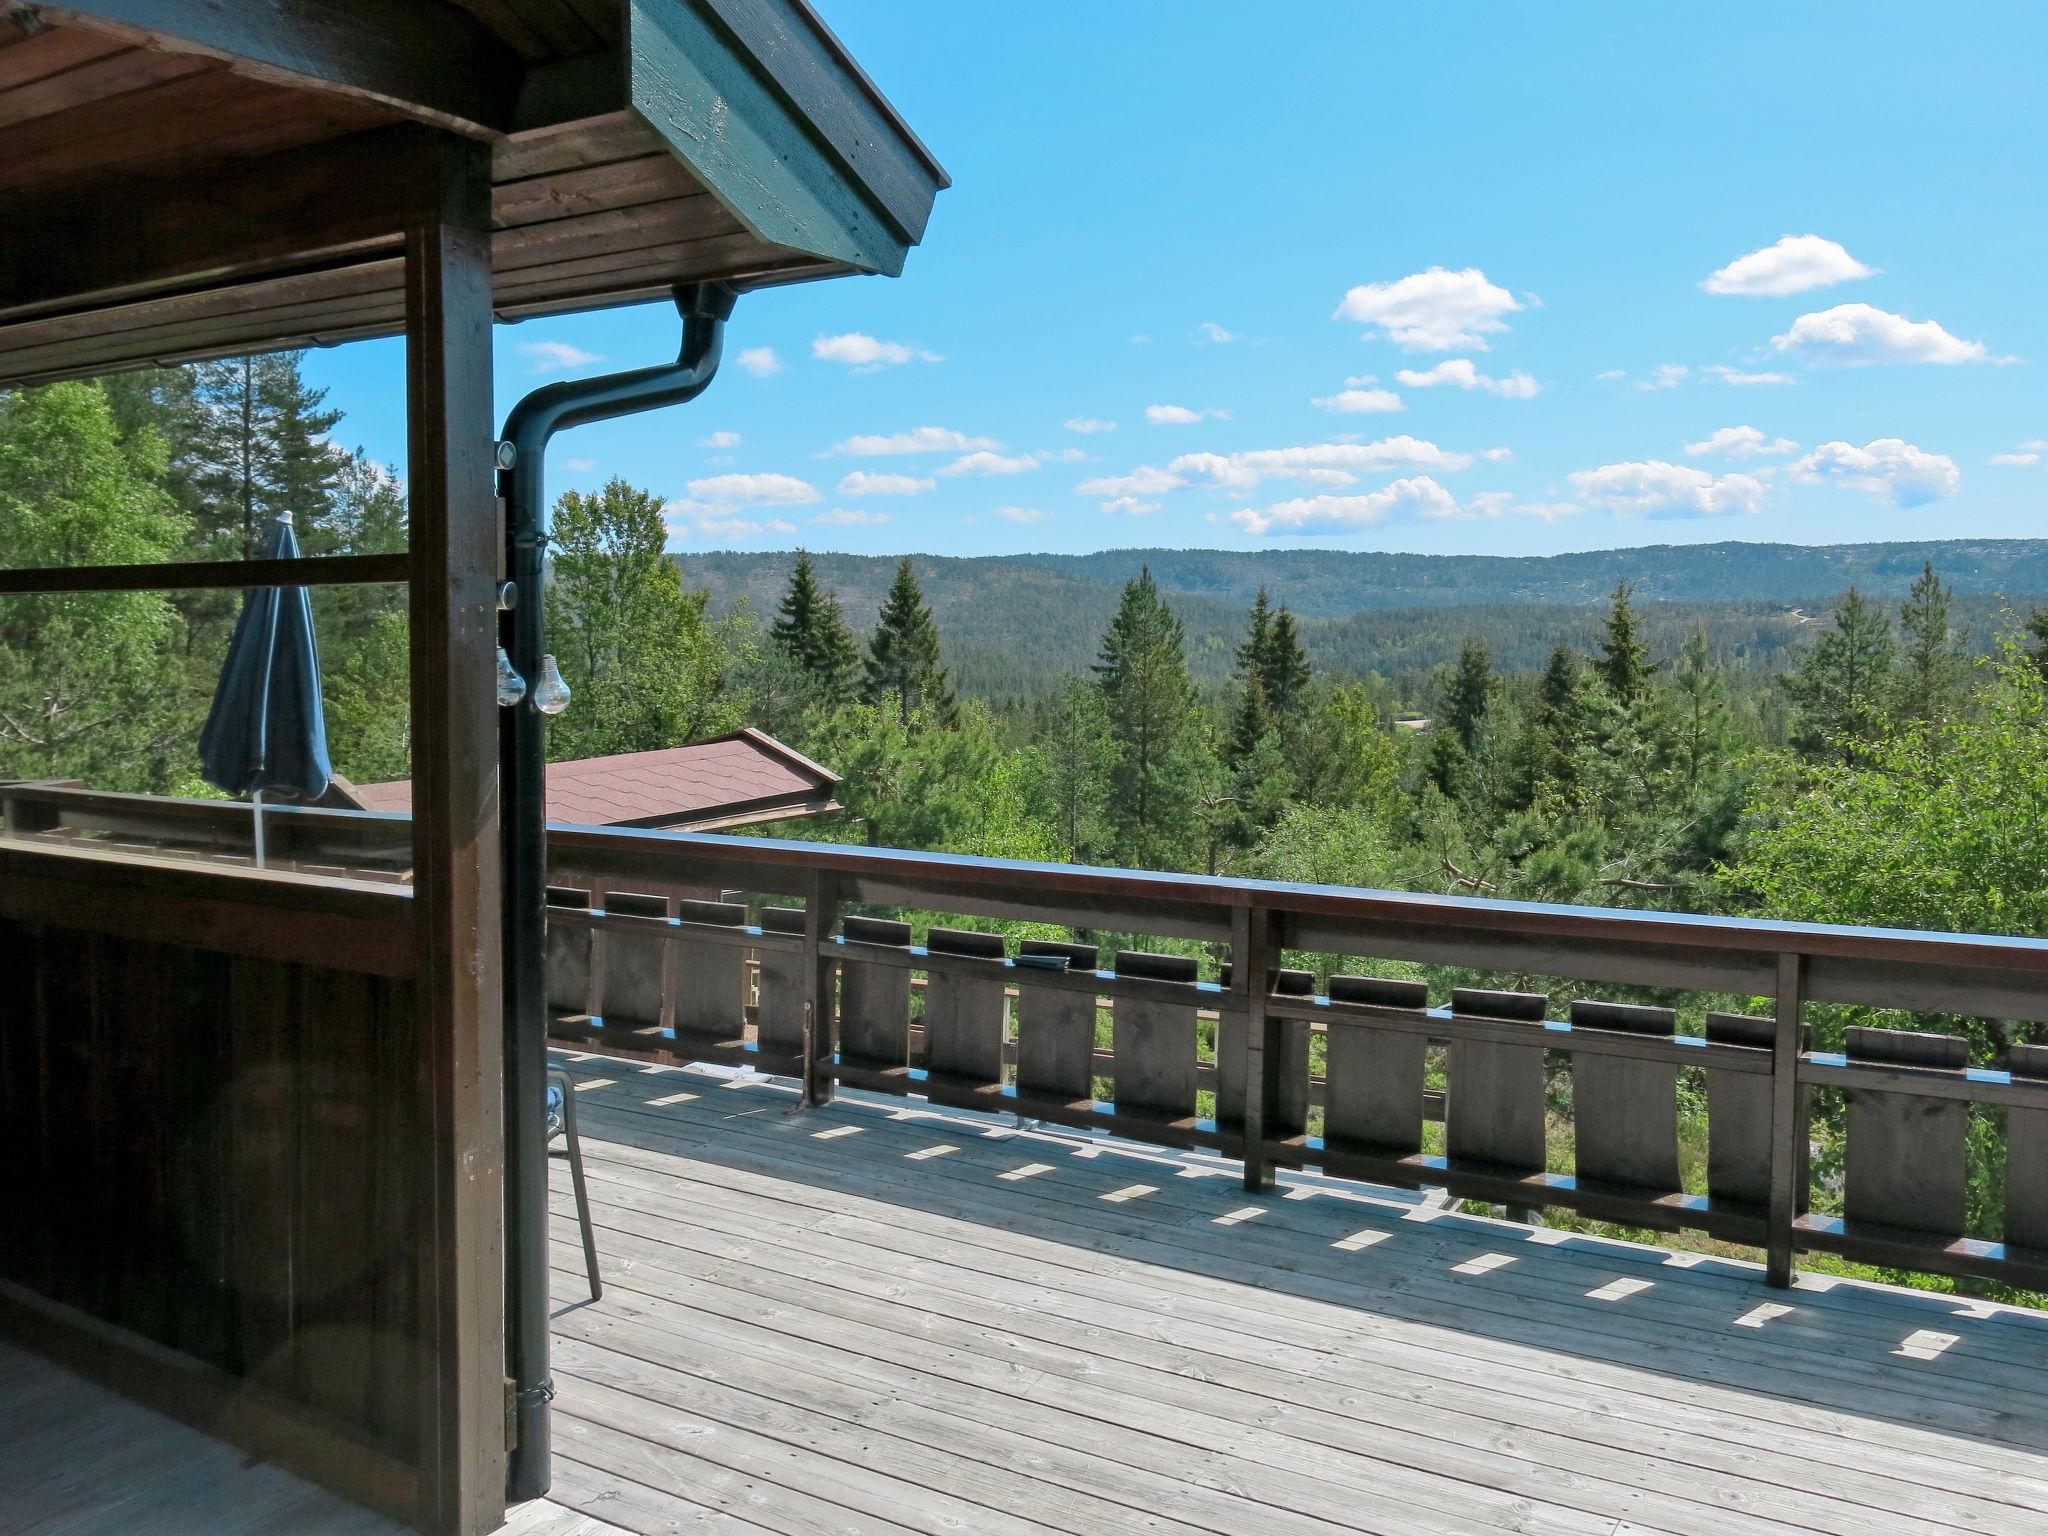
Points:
x=1015 y=624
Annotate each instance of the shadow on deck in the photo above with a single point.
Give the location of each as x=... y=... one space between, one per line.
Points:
x=877 y=1317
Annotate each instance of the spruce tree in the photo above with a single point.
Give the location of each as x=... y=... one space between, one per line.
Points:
x=1842 y=687
x=1625 y=664
x=1556 y=725
x=1285 y=669
x=903 y=664
x=1934 y=660
x=1150 y=701
x=1469 y=693
x=2037 y=639
x=1252 y=718
x=812 y=632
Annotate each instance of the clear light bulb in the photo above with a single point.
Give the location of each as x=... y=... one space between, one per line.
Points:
x=511 y=686
x=550 y=694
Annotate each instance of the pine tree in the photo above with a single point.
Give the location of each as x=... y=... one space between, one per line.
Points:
x=1934 y=661
x=812 y=632
x=1468 y=694
x=903 y=665
x=255 y=446
x=1150 y=701
x=1285 y=668
x=1842 y=687
x=1625 y=664
x=1702 y=698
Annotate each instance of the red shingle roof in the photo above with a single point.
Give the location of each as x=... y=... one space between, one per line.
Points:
x=747 y=776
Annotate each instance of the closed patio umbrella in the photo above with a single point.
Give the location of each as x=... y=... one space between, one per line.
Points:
x=267 y=731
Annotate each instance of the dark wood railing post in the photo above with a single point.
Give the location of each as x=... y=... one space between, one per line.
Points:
x=1788 y=1153
x=1253 y=959
x=821 y=911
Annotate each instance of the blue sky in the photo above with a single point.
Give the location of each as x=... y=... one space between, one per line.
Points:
x=1367 y=276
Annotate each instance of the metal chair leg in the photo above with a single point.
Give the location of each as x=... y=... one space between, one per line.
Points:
x=576 y=1180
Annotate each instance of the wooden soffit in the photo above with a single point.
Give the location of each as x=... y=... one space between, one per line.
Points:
x=182 y=179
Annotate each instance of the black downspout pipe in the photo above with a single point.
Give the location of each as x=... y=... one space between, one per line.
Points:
x=522 y=763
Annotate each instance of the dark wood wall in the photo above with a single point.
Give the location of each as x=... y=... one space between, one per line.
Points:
x=218 y=1150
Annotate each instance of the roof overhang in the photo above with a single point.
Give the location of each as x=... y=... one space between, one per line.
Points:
x=182 y=180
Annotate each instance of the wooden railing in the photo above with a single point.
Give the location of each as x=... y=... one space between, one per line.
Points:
x=645 y=958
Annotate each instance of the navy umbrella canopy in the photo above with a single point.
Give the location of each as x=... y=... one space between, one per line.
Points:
x=267 y=731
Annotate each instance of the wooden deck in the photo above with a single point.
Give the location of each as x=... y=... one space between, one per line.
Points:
x=876 y=1318
x=77 y=1460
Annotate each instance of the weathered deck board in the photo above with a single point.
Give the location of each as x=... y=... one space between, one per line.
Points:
x=924 y=1344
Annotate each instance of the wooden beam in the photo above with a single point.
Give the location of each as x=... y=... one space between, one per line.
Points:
x=455 y=541
x=198 y=575
x=129 y=235
x=425 y=58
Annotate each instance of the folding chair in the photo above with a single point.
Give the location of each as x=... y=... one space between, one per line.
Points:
x=562 y=1122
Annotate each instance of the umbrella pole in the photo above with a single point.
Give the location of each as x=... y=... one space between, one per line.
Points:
x=256 y=800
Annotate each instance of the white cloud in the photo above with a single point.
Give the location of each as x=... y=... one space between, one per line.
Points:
x=853 y=517
x=865 y=354
x=1609 y=375
x=861 y=483
x=1360 y=402
x=986 y=463
x=1497 y=455
x=1665 y=376
x=1741 y=378
x=1854 y=334
x=1061 y=456
x=1129 y=506
x=2035 y=445
x=1125 y=491
x=1089 y=424
x=1418 y=497
x=556 y=356
x=1795 y=264
x=1740 y=443
x=1463 y=373
x=1888 y=467
x=734 y=528
x=720 y=440
x=2015 y=460
x=1337 y=464
x=1209 y=330
x=1433 y=311
x=1021 y=514
x=579 y=466
x=1180 y=415
x=772 y=490
x=1656 y=488
x=916 y=440
x=761 y=362
x=1507 y=504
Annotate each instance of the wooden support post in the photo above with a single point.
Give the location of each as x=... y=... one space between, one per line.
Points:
x=457 y=900
x=1788 y=1152
x=821 y=1014
x=1253 y=959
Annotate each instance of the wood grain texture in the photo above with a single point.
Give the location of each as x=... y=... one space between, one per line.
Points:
x=842 y=1334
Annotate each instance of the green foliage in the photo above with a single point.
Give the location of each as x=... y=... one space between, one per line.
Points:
x=646 y=667
x=1938 y=825
x=89 y=682
x=904 y=668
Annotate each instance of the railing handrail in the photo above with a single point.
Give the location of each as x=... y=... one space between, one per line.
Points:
x=999 y=882
x=948 y=873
